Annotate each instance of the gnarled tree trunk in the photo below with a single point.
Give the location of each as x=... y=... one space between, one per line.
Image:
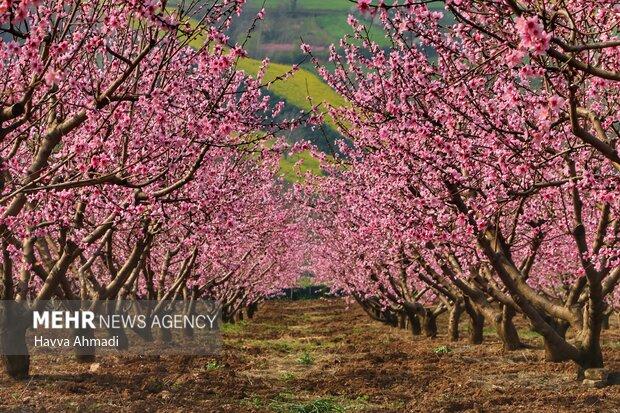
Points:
x=429 y=324
x=507 y=330
x=454 y=319
x=13 y=345
x=552 y=352
x=414 y=323
x=402 y=320
x=252 y=309
x=476 y=324
x=591 y=354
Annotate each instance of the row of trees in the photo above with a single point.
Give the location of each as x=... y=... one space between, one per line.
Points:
x=133 y=165
x=482 y=180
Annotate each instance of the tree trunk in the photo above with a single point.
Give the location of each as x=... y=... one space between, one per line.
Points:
x=17 y=366
x=388 y=317
x=145 y=333
x=226 y=318
x=430 y=324
x=165 y=335
x=606 y=318
x=123 y=340
x=476 y=323
x=591 y=353
x=85 y=354
x=453 y=321
x=414 y=323
x=552 y=353
x=190 y=311
x=15 y=353
x=591 y=358
x=188 y=331
x=252 y=308
x=507 y=331
x=402 y=320
x=605 y=325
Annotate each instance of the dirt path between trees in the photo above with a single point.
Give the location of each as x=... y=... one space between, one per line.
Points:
x=320 y=356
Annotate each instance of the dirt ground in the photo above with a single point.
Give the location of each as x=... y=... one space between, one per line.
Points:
x=316 y=357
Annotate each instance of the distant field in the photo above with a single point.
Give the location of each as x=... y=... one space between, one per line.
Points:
x=342 y=5
x=319 y=22
x=289 y=171
x=301 y=4
x=294 y=90
x=308 y=4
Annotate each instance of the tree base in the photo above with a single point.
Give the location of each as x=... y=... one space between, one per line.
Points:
x=17 y=367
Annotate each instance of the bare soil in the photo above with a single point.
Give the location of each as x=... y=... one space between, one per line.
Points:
x=321 y=356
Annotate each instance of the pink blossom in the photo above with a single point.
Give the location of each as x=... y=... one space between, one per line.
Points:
x=363 y=5
x=532 y=34
x=52 y=77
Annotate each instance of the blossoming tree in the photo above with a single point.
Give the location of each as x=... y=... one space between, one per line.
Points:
x=117 y=134
x=488 y=146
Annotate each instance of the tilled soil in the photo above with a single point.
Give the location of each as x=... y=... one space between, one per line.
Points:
x=321 y=356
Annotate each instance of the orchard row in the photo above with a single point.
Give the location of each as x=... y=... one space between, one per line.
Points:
x=481 y=174
x=133 y=165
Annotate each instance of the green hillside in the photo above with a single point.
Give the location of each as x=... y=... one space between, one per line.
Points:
x=289 y=171
x=319 y=22
x=338 y=5
x=295 y=89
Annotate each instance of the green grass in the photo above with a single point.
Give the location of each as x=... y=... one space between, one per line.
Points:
x=233 y=328
x=255 y=402
x=340 y=5
x=296 y=89
x=489 y=331
x=288 y=376
x=289 y=170
x=306 y=359
x=318 y=406
x=302 y=90
x=319 y=22
x=529 y=334
x=287 y=403
x=442 y=350
x=335 y=27
x=301 y=4
x=213 y=365
x=305 y=282
x=320 y=5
